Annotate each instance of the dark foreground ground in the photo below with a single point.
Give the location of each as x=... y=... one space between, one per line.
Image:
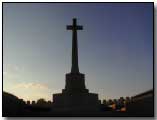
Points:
x=47 y=112
x=79 y=114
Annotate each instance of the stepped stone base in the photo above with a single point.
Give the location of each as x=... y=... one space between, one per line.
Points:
x=76 y=102
x=75 y=97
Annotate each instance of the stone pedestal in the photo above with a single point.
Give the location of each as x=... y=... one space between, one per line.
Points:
x=75 y=83
x=75 y=97
x=76 y=102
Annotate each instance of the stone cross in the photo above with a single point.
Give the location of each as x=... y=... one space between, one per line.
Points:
x=74 y=28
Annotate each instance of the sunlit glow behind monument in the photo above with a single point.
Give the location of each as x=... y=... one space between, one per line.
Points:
x=115 y=49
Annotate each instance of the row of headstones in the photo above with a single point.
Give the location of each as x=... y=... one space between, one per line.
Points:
x=117 y=104
x=35 y=102
x=121 y=100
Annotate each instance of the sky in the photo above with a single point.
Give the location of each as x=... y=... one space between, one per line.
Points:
x=115 y=48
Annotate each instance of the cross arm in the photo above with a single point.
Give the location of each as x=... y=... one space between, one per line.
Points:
x=79 y=27
x=69 y=27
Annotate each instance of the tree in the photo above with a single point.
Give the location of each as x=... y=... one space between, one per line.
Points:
x=41 y=101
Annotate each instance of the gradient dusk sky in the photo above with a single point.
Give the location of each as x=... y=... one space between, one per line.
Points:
x=115 y=48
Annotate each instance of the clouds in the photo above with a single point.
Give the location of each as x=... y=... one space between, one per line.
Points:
x=31 y=85
x=16 y=76
x=32 y=90
x=20 y=82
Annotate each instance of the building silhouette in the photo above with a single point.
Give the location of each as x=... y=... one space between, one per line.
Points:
x=141 y=104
